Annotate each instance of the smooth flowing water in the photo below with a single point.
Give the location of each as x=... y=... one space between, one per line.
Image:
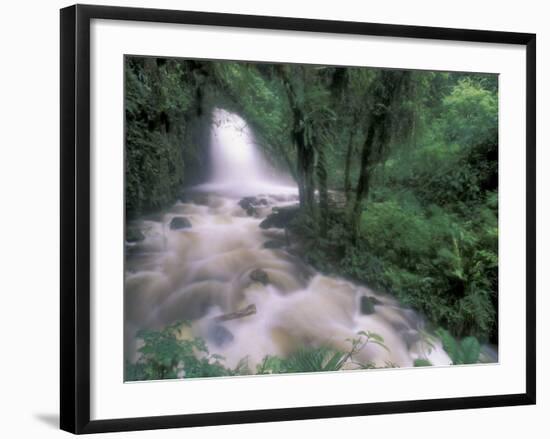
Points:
x=244 y=299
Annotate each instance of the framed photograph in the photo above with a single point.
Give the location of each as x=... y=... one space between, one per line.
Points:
x=272 y=218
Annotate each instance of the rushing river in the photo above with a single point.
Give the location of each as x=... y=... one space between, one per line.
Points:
x=243 y=299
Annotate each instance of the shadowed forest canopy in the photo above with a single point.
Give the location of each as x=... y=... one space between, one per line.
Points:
x=396 y=169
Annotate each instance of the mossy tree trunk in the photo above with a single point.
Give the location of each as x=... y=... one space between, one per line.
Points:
x=305 y=153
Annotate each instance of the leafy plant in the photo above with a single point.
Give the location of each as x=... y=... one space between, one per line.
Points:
x=321 y=359
x=159 y=94
x=422 y=362
x=165 y=354
x=465 y=351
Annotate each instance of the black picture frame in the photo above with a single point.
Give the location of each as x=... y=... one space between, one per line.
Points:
x=75 y=217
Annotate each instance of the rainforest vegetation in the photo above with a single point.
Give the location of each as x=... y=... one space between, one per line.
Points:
x=397 y=176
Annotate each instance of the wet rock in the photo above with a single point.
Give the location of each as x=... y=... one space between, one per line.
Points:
x=179 y=222
x=259 y=275
x=274 y=244
x=280 y=217
x=247 y=203
x=250 y=204
x=248 y=311
x=366 y=304
x=220 y=335
x=134 y=234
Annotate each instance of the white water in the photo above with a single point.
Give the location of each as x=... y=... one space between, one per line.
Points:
x=203 y=272
x=238 y=169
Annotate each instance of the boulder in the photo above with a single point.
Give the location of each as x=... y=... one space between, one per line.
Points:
x=366 y=304
x=247 y=203
x=133 y=234
x=250 y=204
x=179 y=222
x=280 y=217
x=259 y=275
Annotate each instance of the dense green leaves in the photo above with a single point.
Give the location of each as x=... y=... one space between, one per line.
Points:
x=168 y=354
x=313 y=360
x=321 y=359
x=159 y=95
x=421 y=362
x=465 y=351
x=437 y=262
x=428 y=230
x=471 y=114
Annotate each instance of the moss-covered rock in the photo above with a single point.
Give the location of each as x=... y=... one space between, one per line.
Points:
x=180 y=222
x=366 y=304
x=259 y=275
x=280 y=217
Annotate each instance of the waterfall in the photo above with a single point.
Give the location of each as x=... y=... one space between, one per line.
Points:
x=238 y=166
x=233 y=154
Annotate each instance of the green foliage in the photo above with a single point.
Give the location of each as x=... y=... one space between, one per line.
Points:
x=321 y=359
x=471 y=114
x=438 y=263
x=314 y=360
x=254 y=92
x=270 y=364
x=432 y=260
x=159 y=94
x=421 y=362
x=429 y=232
x=165 y=354
x=465 y=351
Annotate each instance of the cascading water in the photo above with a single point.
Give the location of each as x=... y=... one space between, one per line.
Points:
x=246 y=298
x=233 y=154
x=238 y=168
